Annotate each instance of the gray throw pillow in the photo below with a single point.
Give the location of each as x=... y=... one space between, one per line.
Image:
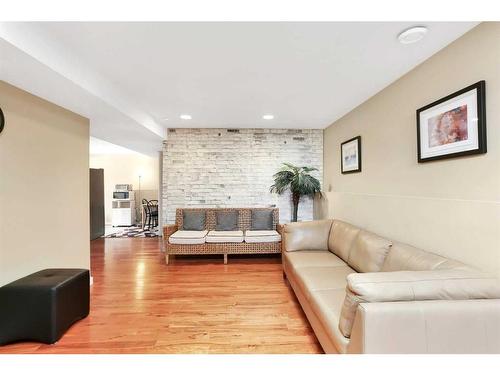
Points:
x=227 y=220
x=193 y=220
x=262 y=220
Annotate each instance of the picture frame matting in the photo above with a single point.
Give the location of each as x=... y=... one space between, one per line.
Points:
x=453 y=126
x=350 y=155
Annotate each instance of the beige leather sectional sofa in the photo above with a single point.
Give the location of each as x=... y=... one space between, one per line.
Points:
x=363 y=293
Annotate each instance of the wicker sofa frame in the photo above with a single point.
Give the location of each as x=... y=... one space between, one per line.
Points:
x=244 y=223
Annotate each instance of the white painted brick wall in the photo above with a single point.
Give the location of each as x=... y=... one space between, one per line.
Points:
x=219 y=168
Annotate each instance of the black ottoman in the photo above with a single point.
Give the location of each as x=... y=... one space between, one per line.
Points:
x=42 y=306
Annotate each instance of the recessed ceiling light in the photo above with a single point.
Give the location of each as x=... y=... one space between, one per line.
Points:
x=185 y=117
x=412 y=35
x=268 y=117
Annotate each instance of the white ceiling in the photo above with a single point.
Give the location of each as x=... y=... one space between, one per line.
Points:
x=99 y=147
x=223 y=74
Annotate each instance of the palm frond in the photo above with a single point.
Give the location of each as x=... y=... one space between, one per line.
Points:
x=281 y=181
x=297 y=179
x=309 y=169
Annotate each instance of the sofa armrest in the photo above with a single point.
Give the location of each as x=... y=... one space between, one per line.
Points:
x=280 y=228
x=471 y=326
x=306 y=235
x=168 y=230
x=423 y=285
x=452 y=284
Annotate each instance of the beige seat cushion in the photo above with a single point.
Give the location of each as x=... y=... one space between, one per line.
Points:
x=225 y=233
x=188 y=237
x=226 y=236
x=307 y=235
x=311 y=258
x=341 y=238
x=368 y=252
x=327 y=305
x=260 y=236
x=311 y=279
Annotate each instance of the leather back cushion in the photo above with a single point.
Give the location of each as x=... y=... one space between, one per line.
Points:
x=368 y=252
x=193 y=220
x=403 y=257
x=450 y=264
x=226 y=220
x=341 y=238
x=307 y=235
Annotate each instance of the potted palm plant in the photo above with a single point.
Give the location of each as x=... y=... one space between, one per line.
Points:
x=299 y=181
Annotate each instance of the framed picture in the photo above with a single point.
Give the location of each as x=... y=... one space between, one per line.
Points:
x=351 y=155
x=2 y=120
x=453 y=126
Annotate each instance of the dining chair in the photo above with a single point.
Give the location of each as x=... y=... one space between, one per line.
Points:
x=151 y=209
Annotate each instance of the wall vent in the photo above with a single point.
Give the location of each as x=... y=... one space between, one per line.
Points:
x=233 y=130
x=171 y=130
x=300 y=139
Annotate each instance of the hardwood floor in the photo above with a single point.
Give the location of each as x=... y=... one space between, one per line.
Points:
x=140 y=305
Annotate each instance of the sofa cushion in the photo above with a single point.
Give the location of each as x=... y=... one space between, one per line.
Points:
x=368 y=252
x=403 y=257
x=311 y=258
x=262 y=220
x=193 y=220
x=327 y=305
x=215 y=236
x=311 y=279
x=256 y=236
x=307 y=235
x=188 y=237
x=450 y=284
x=341 y=238
x=450 y=264
x=226 y=220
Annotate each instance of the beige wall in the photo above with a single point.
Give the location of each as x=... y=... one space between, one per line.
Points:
x=125 y=169
x=451 y=207
x=44 y=186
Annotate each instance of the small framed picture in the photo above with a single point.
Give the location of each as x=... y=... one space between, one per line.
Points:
x=2 y=120
x=351 y=155
x=453 y=126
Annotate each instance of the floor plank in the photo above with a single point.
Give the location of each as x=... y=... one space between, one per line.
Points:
x=194 y=305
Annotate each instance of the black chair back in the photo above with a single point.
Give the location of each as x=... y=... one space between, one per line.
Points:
x=146 y=207
x=153 y=206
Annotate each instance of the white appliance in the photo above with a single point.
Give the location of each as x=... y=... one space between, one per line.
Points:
x=124 y=195
x=123 y=206
x=123 y=187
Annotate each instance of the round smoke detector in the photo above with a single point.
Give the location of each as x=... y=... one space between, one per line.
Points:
x=412 y=35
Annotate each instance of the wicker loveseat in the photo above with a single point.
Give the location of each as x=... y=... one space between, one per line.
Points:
x=244 y=224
